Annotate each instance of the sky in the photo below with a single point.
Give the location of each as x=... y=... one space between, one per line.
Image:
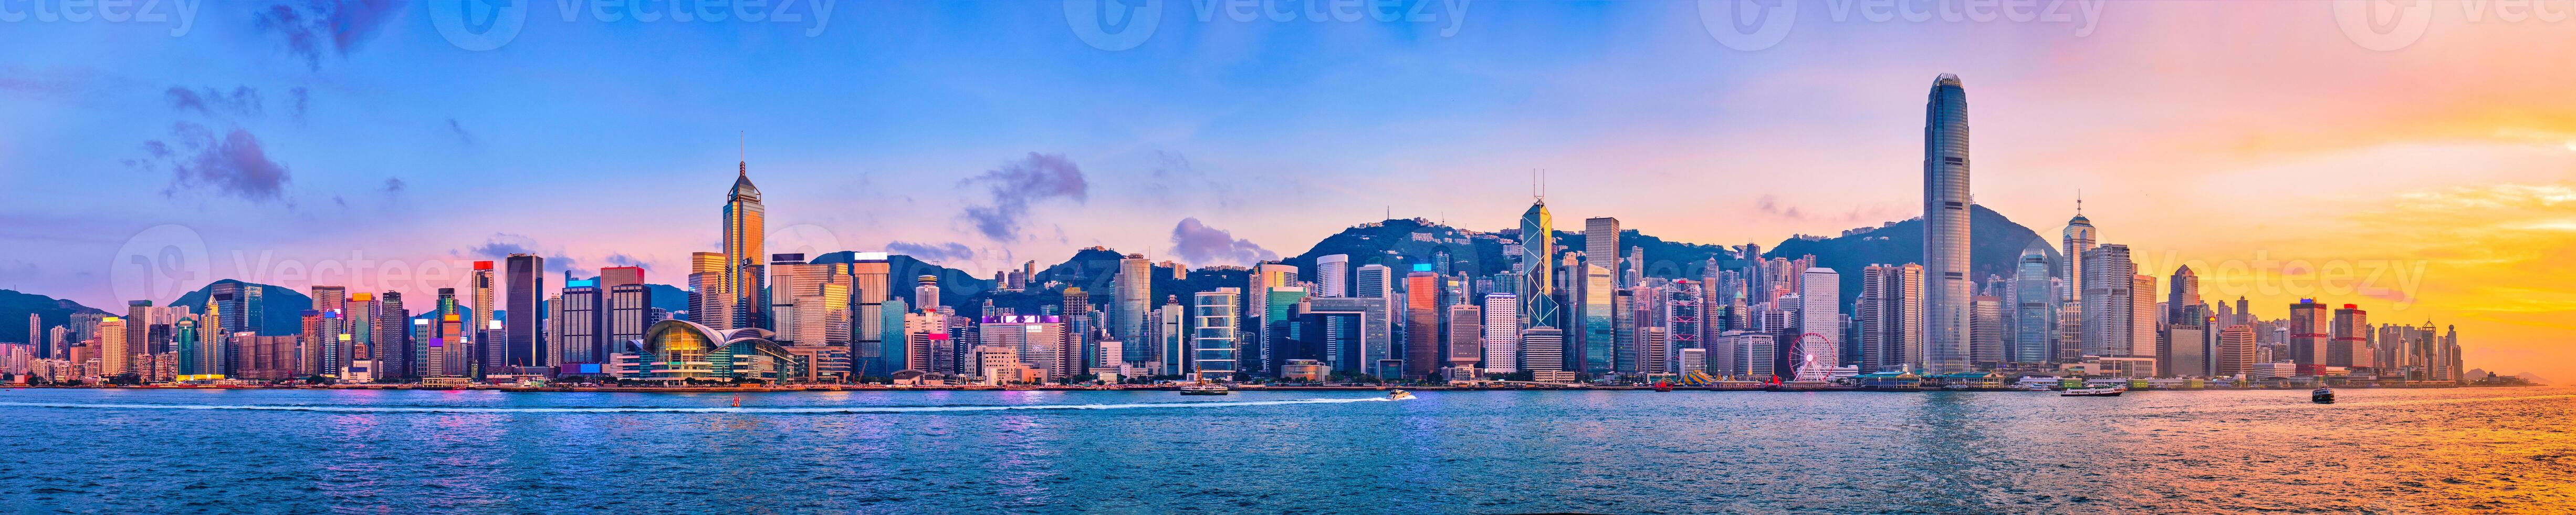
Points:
x=2417 y=159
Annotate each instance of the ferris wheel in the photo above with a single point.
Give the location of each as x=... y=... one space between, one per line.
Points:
x=1806 y=365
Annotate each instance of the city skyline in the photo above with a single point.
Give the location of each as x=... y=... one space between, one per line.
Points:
x=2503 y=211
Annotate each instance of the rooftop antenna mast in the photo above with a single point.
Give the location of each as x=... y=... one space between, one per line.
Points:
x=743 y=167
x=2079 y=202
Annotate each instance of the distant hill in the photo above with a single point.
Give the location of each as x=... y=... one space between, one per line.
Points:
x=1994 y=244
x=49 y=311
x=281 y=309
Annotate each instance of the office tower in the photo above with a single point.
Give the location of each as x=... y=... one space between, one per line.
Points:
x=1683 y=324
x=2077 y=243
x=575 y=320
x=1751 y=356
x=612 y=277
x=2142 y=319
x=309 y=357
x=2243 y=316
x=2350 y=346
x=1354 y=334
x=925 y=294
x=1538 y=267
x=1133 y=290
x=1373 y=281
x=333 y=304
x=1332 y=275
x=1281 y=342
x=1986 y=330
x=36 y=336
x=1421 y=322
x=898 y=347
x=2236 y=354
x=710 y=302
x=1466 y=342
x=1039 y=340
x=809 y=303
x=520 y=345
x=871 y=285
x=1891 y=317
x=2183 y=290
x=1945 y=221
x=1601 y=243
x=112 y=349
x=2187 y=346
x=396 y=351
x=1542 y=353
x=1212 y=341
x=1175 y=339
x=358 y=322
x=743 y=231
x=1596 y=336
x=479 y=286
x=241 y=306
x=630 y=312
x=2109 y=306
x=2035 y=313
x=1820 y=316
x=1265 y=278
x=1623 y=331
x=1502 y=327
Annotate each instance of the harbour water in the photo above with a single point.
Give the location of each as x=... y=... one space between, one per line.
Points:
x=299 y=451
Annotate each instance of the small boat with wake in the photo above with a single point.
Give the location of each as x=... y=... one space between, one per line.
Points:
x=2322 y=396
x=2101 y=391
x=1204 y=389
x=1398 y=395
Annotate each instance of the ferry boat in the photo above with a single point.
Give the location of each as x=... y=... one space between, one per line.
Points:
x=2322 y=396
x=1204 y=389
x=1663 y=386
x=2099 y=391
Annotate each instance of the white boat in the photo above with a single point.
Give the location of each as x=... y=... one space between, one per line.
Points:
x=2100 y=391
x=1204 y=389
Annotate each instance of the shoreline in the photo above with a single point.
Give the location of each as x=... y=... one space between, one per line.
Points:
x=1318 y=388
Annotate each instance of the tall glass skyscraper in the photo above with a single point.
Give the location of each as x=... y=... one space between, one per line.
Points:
x=1538 y=267
x=1945 y=228
x=744 y=271
x=2034 y=319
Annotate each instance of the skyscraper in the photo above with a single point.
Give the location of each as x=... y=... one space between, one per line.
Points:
x=1601 y=243
x=1597 y=331
x=2236 y=354
x=1213 y=330
x=2077 y=245
x=710 y=295
x=1891 y=318
x=2110 y=307
x=1502 y=332
x=1466 y=340
x=1538 y=267
x=1421 y=322
x=2350 y=346
x=1133 y=292
x=527 y=288
x=1819 y=314
x=743 y=219
x=1945 y=227
x=2035 y=315
x=1332 y=275
x=2183 y=290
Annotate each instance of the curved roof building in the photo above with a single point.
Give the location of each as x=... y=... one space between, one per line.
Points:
x=677 y=350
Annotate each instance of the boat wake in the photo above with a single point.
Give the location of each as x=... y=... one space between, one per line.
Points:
x=803 y=410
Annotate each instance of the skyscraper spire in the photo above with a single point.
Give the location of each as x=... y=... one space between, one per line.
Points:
x=742 y=168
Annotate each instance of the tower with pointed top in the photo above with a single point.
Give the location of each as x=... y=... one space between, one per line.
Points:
x=1945 y=228
x=744 y=271
x=1538 y=266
